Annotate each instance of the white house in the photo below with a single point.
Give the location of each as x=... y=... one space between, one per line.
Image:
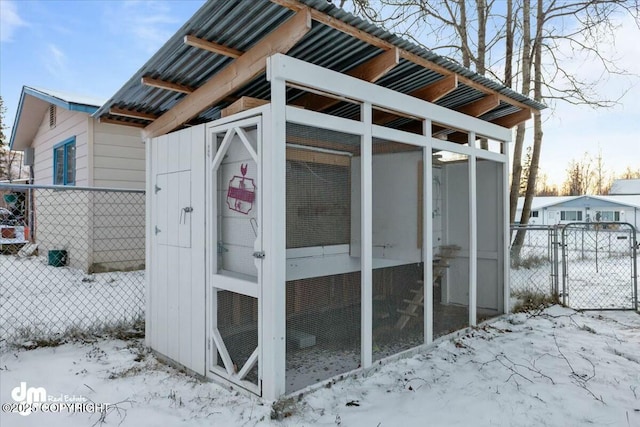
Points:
x=307 y=174
x=566 y=209
x=625 y=187
x=66 y=146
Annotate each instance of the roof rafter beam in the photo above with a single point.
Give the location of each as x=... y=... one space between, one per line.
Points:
x=372 y=70
x=238 y=73
x=115 y=111
x=481 y=106
x=437 y=90
x=431 y=92
x=339 y=25
x=120 y=122
x=212 y=46
x=513 y=119
x=162 y=84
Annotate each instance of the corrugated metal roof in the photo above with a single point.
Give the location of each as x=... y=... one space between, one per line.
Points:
x=240 y=24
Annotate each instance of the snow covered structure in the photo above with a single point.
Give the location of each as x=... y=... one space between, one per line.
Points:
x=625 y=187
x=66 y=146
x=556 y=210
x=307 y=175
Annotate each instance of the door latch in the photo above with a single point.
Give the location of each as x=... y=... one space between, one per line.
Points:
x=156 y=188
x=259 y=254
x=157 y=230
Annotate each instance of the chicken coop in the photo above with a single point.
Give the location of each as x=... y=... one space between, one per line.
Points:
x=324 y=220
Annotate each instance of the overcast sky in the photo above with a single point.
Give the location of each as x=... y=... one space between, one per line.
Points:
x=93 y=47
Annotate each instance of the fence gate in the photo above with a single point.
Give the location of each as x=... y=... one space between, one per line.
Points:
x=599 y=263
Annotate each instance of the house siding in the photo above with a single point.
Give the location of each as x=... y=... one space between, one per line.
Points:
x=118 y=157
x=68 y=124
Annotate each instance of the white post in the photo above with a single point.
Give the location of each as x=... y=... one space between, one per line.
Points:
x=506 y=256
x=473 y=234
x=427 y=232
x=148 y=272
x=366 y=232
x=273 y=292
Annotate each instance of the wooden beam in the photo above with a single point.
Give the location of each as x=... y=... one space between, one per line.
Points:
x=242 y=104
x=240 y=72
x=212 y=47
x=481 y=106
x=342 y=26
x=115 y=111
x=431 y=92
x=437 y=90
x=371 y=71
x=375 y=68
x=336 y=146
x=176 y=87
x=513 y=119
x=120 y=122
x=312 y=156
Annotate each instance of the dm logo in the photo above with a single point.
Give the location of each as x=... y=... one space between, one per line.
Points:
x=242 y=192
x=22 y=394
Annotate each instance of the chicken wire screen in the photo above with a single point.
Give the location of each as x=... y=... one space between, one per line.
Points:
x=323 y=287
x=237 y=322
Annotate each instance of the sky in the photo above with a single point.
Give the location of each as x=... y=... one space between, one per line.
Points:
x=93 y=47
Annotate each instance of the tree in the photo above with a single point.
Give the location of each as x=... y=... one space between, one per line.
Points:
x=562 y=31
x=580 y=176
x=630 y=173
x=544 y=188
x=4 y=146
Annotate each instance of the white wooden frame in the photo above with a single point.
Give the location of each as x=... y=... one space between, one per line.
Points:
x=240 y=285
x=283 y=70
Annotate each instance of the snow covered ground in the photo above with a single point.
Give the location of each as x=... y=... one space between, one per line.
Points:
x=38 y=299
x=556 y=368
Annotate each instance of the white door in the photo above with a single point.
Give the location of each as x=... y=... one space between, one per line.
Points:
x=235 y=259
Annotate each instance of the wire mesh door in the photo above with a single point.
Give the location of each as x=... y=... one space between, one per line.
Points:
x=236 y=251
x=600 y=266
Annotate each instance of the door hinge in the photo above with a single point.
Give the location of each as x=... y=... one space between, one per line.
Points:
x=259 y=254
x=209 y=344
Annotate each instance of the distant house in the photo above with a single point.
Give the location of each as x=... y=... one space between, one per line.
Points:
x=625 y=187
x=66 y=146
x=566 y=209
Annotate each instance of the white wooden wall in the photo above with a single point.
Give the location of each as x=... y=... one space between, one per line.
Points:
x=176 y=274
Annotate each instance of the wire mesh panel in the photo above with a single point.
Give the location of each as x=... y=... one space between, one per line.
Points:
x=238 y=327
x=600 y=266
x=451 y=258
x=323 y=289
x=398 y=287
x=534 y=260
x=70 y=260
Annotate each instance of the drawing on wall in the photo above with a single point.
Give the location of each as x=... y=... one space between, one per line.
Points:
x=242 y=192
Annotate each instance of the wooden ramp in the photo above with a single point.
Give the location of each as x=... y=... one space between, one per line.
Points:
x=440 y=265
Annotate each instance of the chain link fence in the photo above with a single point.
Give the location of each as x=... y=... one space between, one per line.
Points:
x=586 y=266
x=535 y=262
x=71 y=260
x=599 y=264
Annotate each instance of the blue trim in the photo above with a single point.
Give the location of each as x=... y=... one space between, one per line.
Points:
x=65 y=145
x=71 y=106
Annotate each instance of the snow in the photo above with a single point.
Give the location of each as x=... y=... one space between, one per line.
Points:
x=553 y=368
x=46 y=299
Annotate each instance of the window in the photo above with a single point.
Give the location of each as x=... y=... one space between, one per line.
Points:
x=533 y=214
x=64 y=162
x=608 y=216
x=571 y=215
